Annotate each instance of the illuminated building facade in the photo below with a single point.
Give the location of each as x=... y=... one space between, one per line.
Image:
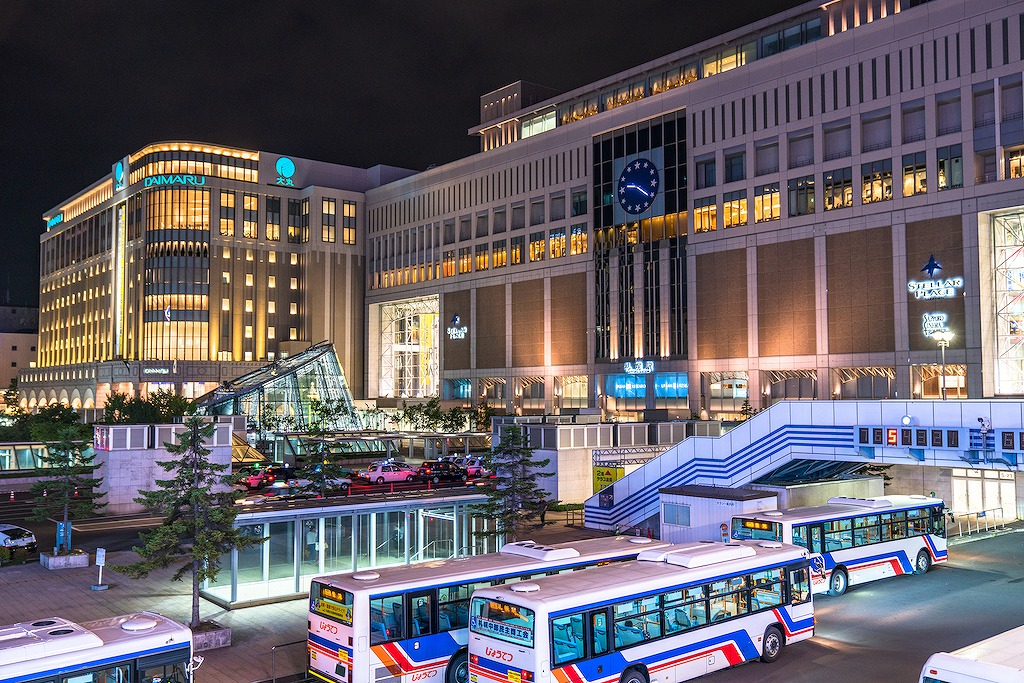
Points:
x=791 y=210
x=797 y=209
x=188 y=265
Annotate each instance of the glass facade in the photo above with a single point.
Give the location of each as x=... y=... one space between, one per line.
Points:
x=302 y=544
x=409 y=343
x=279 y=395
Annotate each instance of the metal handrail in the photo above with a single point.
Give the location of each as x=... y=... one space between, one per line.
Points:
x=449 y=541
x=978 y=517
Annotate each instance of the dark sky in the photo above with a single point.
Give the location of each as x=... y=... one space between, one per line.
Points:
x=83 y=83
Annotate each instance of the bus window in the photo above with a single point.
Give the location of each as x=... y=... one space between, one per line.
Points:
x=387 y=619
x=164 y=673
x=115 y=674
x=565 y=646
x=755 y=530
x=917 y=522
x=799 y=585
x=496 y=619
x=421 y=623
x=599 y=631
x=837 y=535
x=866 y=530
x=766 y=589
x=938 y=522
x=727 y=598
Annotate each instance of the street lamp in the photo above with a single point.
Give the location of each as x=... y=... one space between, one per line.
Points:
x=942 y=338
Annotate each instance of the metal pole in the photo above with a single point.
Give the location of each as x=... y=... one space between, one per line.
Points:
x=942 y=348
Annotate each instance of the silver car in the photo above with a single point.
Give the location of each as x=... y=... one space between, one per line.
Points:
x=16 y=537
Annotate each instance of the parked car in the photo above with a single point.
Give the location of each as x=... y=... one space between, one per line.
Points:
x=441 y=470
x=382 y=473
x=279 y=475
x=16 y=537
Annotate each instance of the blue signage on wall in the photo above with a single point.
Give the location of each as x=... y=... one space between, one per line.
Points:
x=59 y=218
x=119 y=175
x=285 y=170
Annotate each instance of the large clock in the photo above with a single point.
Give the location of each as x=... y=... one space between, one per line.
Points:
x=638 y=186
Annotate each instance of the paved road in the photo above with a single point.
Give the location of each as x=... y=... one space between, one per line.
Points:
x=884 y=631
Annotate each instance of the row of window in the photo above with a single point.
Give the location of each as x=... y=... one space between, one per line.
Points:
x=553 y=245
x=842 y=534
x=298 y=218
x=876 y=185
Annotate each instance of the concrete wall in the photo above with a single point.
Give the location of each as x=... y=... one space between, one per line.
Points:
x=818 y=493
x=707 y=515
x=129 y=464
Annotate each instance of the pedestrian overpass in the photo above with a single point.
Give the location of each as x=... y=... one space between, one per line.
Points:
x=975 y=433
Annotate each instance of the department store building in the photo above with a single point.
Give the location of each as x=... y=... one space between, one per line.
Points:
x=824 y=204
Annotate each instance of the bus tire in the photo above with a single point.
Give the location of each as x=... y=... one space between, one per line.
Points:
x=924 y=562
x=633 y=676
x=771 y=646
x=458 y=668
x=839 y=582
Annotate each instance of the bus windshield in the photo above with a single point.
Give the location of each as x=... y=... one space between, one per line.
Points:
x=744 y=529
x=503 y=621
x=332 y=603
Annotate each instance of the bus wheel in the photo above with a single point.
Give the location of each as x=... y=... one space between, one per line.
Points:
x=458 y=669
x=838 y=583
x=923 y=564
x=772 y=645
x=633 y=676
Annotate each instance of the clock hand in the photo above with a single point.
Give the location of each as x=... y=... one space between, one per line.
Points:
x=637 y=187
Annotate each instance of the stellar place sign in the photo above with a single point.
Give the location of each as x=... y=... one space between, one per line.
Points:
x=944 y=288
x=197 y=180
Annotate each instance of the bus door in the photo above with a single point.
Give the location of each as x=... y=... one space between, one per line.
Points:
x=798 y=576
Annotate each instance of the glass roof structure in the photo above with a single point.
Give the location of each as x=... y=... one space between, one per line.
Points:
x=278 y=396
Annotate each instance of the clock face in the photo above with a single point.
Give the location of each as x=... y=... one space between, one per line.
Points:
x=638 y=186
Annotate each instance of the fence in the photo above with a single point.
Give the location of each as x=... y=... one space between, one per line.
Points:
x=978 y=521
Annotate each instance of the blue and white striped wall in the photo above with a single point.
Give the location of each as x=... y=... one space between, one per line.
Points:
x=821 y=430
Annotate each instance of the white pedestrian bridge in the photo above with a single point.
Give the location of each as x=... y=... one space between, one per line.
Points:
x=978 y=434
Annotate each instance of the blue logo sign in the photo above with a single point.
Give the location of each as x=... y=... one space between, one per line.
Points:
x=59 y=218
x=119 y=175
x=457 y=330
x=931 y=266
x=175 y=180
x=285 y=171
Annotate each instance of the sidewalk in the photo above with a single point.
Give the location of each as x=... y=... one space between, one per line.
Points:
x=31 y=592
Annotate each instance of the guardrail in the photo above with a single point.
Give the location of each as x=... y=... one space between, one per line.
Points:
x=977 y=521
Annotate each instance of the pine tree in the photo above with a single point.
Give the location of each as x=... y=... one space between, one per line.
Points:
x=514 y=498
x=199 y=514
x=323 y=467
x=66 y=488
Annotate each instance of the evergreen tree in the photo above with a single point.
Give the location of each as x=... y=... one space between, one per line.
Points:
x=11 y=397
x=514 y=498
x=66 y=488
x=323 y=467
x=482 y=416
x=199 y=514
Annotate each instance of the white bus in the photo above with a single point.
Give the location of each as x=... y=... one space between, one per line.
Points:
x=144 y=647
x=408 y=623
x=672 y=614
x=859 y=539
x=999 y=659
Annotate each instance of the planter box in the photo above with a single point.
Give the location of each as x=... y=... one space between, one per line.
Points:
x=51 y=561
x=211 y=638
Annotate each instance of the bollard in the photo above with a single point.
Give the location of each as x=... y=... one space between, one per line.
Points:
x=44 y=493
x=12 y=495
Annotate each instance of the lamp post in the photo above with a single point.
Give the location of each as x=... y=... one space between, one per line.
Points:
x=942 y=338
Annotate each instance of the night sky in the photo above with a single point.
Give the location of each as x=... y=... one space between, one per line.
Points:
x=87 y=82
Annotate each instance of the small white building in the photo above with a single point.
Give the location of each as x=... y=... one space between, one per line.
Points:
x=702 y=513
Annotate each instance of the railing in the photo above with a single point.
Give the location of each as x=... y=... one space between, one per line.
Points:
x=574 y=517
x=450 y=552
x=978 y=521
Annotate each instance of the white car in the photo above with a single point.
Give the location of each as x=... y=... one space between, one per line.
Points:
x=16 y=537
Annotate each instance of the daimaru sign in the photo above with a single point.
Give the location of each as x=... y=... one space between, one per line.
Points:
x=175 y=180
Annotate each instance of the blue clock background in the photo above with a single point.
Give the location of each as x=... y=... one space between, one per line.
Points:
x=657 y=207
